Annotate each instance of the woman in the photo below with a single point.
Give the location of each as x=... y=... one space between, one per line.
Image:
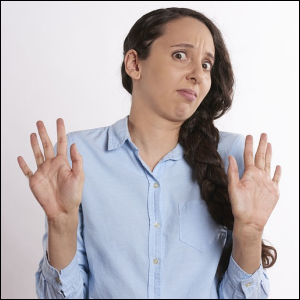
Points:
x=147 y=209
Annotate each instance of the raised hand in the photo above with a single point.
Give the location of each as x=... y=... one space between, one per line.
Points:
x=254 y=197
x=56 y=186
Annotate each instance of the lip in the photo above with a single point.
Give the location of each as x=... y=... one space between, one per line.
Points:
x=188 y=94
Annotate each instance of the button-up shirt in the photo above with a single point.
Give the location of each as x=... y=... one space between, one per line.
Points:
x=145 y=234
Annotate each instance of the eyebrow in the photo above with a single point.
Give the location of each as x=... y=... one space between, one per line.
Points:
x=183 y=45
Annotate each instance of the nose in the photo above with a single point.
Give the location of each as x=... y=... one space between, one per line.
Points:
x=196 y=73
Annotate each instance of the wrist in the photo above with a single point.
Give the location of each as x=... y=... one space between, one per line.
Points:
x=246 y=232
x=64 y=224
x=247 y=247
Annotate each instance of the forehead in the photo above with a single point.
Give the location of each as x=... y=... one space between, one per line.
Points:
x=189 y=31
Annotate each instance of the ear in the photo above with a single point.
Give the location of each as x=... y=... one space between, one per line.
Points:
x=132 y=65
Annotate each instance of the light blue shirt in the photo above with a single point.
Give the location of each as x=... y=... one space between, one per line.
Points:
x=144 y=234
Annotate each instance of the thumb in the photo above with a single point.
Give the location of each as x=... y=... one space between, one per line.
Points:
x=233 y=173
x=77 y=163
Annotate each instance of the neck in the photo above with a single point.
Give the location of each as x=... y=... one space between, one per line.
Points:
x=154 y=136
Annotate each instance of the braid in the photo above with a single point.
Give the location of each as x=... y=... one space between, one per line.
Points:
x=199 y=137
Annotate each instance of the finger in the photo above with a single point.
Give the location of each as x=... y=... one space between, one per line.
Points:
x=277 y=175
x=261 y=152
x=77 y=163
x=39 y=157
x=248 y=152
x=46 y=142
x=233 y=173
x=24 y=167
x=268 y=159
x=61 y=137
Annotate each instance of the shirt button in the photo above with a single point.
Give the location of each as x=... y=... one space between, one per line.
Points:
x=155 y=261
x=248 y=284
x=155 y=185
x=58 y=280
x=156 y=225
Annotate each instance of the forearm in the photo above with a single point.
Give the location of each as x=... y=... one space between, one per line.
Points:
x=247 y=248
x=62 y=241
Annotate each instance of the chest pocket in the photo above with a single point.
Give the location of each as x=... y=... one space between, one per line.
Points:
x=197 y=228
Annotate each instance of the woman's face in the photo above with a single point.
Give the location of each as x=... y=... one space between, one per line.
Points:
x=175 y=78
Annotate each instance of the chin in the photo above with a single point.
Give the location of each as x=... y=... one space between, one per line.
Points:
x=179 y=117
x=183 y=112
x=182 y=116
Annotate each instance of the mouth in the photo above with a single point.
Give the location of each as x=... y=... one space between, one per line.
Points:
x=188 y=94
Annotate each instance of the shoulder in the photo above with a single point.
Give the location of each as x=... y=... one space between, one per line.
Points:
x=232 y=144
x=100 y=138
x=230 y=141
x=87 y=134
x=116 y=131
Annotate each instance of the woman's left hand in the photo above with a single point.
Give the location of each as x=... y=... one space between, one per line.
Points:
x=254 y=196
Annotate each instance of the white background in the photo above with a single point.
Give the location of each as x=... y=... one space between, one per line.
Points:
x=62 y=59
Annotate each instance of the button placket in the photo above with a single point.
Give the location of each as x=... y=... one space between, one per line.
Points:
x=155 y=238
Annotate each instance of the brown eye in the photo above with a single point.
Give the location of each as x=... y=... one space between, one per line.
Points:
x=207 y=66
x=180 y=55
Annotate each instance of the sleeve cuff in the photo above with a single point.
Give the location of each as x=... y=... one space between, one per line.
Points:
x=66 y=281
x=243 y=282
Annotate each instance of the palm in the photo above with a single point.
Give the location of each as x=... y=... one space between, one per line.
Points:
x=254 y=197
x=55 y=185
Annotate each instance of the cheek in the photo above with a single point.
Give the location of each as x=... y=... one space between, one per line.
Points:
x=205 y=88
x=160 y=81
x=165 y=84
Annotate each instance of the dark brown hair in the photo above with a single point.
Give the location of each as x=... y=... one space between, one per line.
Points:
x=198 y=135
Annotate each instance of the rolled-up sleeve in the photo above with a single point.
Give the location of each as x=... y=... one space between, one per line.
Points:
x=51 y=284
x=237 y=284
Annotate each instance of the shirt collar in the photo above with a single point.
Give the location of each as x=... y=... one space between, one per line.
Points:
x=118 y=134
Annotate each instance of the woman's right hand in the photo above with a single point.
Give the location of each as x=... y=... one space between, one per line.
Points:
x=56 y=186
